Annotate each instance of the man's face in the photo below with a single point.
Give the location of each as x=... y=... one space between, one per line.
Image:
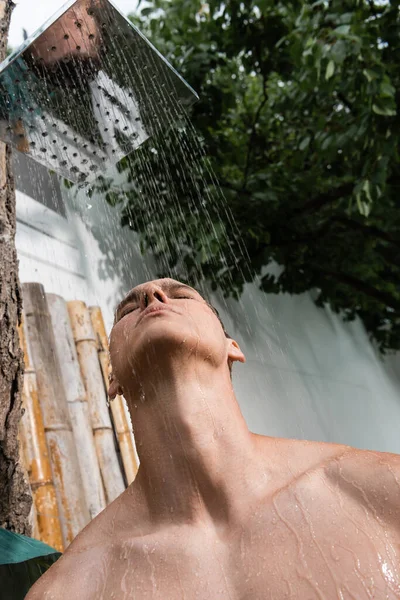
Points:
x=160 y=319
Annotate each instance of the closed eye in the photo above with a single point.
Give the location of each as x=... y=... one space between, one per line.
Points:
x=127 y=310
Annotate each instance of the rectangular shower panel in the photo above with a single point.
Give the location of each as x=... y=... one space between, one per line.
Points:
x=85 y=90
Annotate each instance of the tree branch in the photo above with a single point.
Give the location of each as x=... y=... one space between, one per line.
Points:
x=344 y=101
x=359 y=285
x=317 y=203
x=368 y=229
x=253 y=135
x=372 y=7
x=229 y=186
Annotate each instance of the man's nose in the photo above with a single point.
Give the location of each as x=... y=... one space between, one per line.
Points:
x=151 y=295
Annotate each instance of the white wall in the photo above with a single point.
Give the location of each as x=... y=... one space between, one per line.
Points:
x=308 y=374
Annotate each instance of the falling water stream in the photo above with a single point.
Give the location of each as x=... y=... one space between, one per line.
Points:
x=115 y=189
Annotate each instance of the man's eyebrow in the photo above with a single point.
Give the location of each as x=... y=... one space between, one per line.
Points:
x=133 y=295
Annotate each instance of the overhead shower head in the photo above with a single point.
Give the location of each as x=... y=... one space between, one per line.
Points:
x=85 y=90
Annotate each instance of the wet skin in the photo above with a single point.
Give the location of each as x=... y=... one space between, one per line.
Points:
x=216 y=511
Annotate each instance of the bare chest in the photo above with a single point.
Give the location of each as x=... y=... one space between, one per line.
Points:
x=303 y=543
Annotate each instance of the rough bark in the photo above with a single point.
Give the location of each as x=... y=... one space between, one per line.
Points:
x=15 y=497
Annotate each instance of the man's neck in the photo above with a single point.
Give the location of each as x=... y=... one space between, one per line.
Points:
x=198 y=460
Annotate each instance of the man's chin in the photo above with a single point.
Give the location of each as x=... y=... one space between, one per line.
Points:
x=160 y=341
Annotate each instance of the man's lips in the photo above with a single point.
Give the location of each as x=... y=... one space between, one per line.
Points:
x=153 y=309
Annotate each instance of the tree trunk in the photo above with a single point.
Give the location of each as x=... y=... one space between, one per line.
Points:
x=15 y=497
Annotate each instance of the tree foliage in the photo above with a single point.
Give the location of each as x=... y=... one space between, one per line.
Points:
x=299 y=118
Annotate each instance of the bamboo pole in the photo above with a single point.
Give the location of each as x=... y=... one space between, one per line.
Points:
x=74 y=514
x=24 y=462
x=78 y=405
x=46 y=518
x=128 y=451
x=86 y=346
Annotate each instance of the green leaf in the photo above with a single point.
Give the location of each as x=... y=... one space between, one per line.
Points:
x=146 y=11
x=22 y=561
x=387 y=90
x=113 y=198
x=342 y=30
x=304 y=143
x=367 y=189
x=339 y=51
x=330 y=69
x=370 y=75
x=17 y=548
x=253 y=235
x=363 y=207
x=385 y=111
x=326 y=142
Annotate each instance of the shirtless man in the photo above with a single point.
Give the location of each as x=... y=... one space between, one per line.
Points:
x=217 y=512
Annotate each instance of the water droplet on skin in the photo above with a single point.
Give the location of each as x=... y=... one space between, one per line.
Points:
x=142 y=396
x=334 y=554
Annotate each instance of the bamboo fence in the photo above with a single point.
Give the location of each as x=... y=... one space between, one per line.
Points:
x=78 y=452
x=46 y=519
x=103 y=432
x=66 y=474
x=128 y=451
x=78 y=405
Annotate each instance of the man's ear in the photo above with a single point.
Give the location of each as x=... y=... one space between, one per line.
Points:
x=114 y=388
x=234 y=352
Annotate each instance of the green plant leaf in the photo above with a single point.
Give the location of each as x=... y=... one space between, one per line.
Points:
x=387 y=90
x=342 y=30
x=370 y=75
x=330 y=70
x=22 y=561
x=385 y=111
x=304 y=143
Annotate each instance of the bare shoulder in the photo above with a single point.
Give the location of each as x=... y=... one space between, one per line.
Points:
x=72 y=576
x=373 y=479
x=296 y=457
x=307 y=455
x=49 y=585
x=85 y=553
x=370 y=478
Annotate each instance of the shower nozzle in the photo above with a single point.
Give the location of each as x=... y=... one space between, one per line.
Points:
x=85 y=90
